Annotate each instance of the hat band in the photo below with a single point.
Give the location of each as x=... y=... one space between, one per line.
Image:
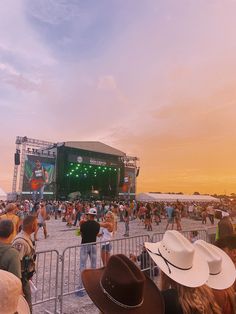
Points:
x=168 y=263
x=126 y=306
x=215 y=273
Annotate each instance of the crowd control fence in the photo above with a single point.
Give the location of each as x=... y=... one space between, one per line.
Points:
x=45 y=281
x=58 y=279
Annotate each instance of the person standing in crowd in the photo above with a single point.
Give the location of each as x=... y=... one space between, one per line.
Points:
x=11 y=215
x=211 y=213
x=78 y=213
x=204 y=215
x=225 y=226
x=126 y=217
x=157 y=213
x=42 y=217
x=69 y=214
x=89 y=231
x=177 y=217
x=115 y=215
x=121 y=211
x=24 y=245
x=170 y=216
x=38 y=180
x=183 y=275
x=9 y=257
x=106 y=234
x=148 y=217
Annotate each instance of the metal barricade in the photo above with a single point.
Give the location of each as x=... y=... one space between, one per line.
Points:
x=70 y=278
x=60 y=282
x=194 y=235
x=46 y=282
x=189 y=234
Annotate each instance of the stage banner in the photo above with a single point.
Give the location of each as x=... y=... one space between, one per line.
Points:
x=39 y=174
x=83 y=159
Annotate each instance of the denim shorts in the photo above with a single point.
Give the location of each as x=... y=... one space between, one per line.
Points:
x=106 y=247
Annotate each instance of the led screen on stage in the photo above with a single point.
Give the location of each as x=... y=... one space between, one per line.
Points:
x=39 y=173
x=129 y=183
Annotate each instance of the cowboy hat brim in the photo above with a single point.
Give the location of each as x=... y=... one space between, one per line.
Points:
x=196 y=276
x=152 y=298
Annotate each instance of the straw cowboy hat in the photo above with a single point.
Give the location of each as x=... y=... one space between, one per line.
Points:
x=178 y=259
x=222 y=272
x=121 y=287
x=11 y=300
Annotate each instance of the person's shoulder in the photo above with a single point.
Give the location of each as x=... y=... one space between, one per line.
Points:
x=11 y=253
x=20 y=238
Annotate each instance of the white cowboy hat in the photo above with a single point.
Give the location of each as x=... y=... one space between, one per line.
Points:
x=11 y=300
x=222 y=272
x=178 y=259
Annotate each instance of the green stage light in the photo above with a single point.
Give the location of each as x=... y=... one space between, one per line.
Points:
x=105 y=168
x=71 y=163
x=99 y=167
x=90 y=166
x=110 y=169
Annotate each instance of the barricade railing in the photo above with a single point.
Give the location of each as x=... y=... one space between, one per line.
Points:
x=71 y=283
x=189 y=234
x=46 y=280
x=58 y=279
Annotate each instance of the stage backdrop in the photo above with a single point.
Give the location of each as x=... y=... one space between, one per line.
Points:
x=29 y=180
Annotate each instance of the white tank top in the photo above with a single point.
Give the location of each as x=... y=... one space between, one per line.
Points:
x=106 y=234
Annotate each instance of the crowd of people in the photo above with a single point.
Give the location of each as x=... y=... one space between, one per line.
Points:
x=175 y=256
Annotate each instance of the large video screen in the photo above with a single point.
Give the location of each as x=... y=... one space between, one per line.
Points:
x=129 y=184
x=39 y=173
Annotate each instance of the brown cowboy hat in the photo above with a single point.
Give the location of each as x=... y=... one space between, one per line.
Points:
x=121 y=287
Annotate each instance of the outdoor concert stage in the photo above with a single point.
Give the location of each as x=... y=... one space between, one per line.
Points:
x=81 y=169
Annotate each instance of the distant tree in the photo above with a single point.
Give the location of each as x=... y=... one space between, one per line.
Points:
x=196 y=193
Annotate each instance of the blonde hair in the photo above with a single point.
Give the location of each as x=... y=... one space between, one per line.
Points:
x=111 y=214
x=199 y=300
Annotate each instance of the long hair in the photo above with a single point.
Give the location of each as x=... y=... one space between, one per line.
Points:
x=198 y=300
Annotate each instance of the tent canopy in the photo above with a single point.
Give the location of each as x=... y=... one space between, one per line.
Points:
x=3 y=195
x=158 y=197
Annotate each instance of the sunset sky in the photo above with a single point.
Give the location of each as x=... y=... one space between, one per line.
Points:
x=153 y=78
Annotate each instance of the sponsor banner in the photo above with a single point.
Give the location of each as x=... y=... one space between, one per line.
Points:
x=92 y=161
